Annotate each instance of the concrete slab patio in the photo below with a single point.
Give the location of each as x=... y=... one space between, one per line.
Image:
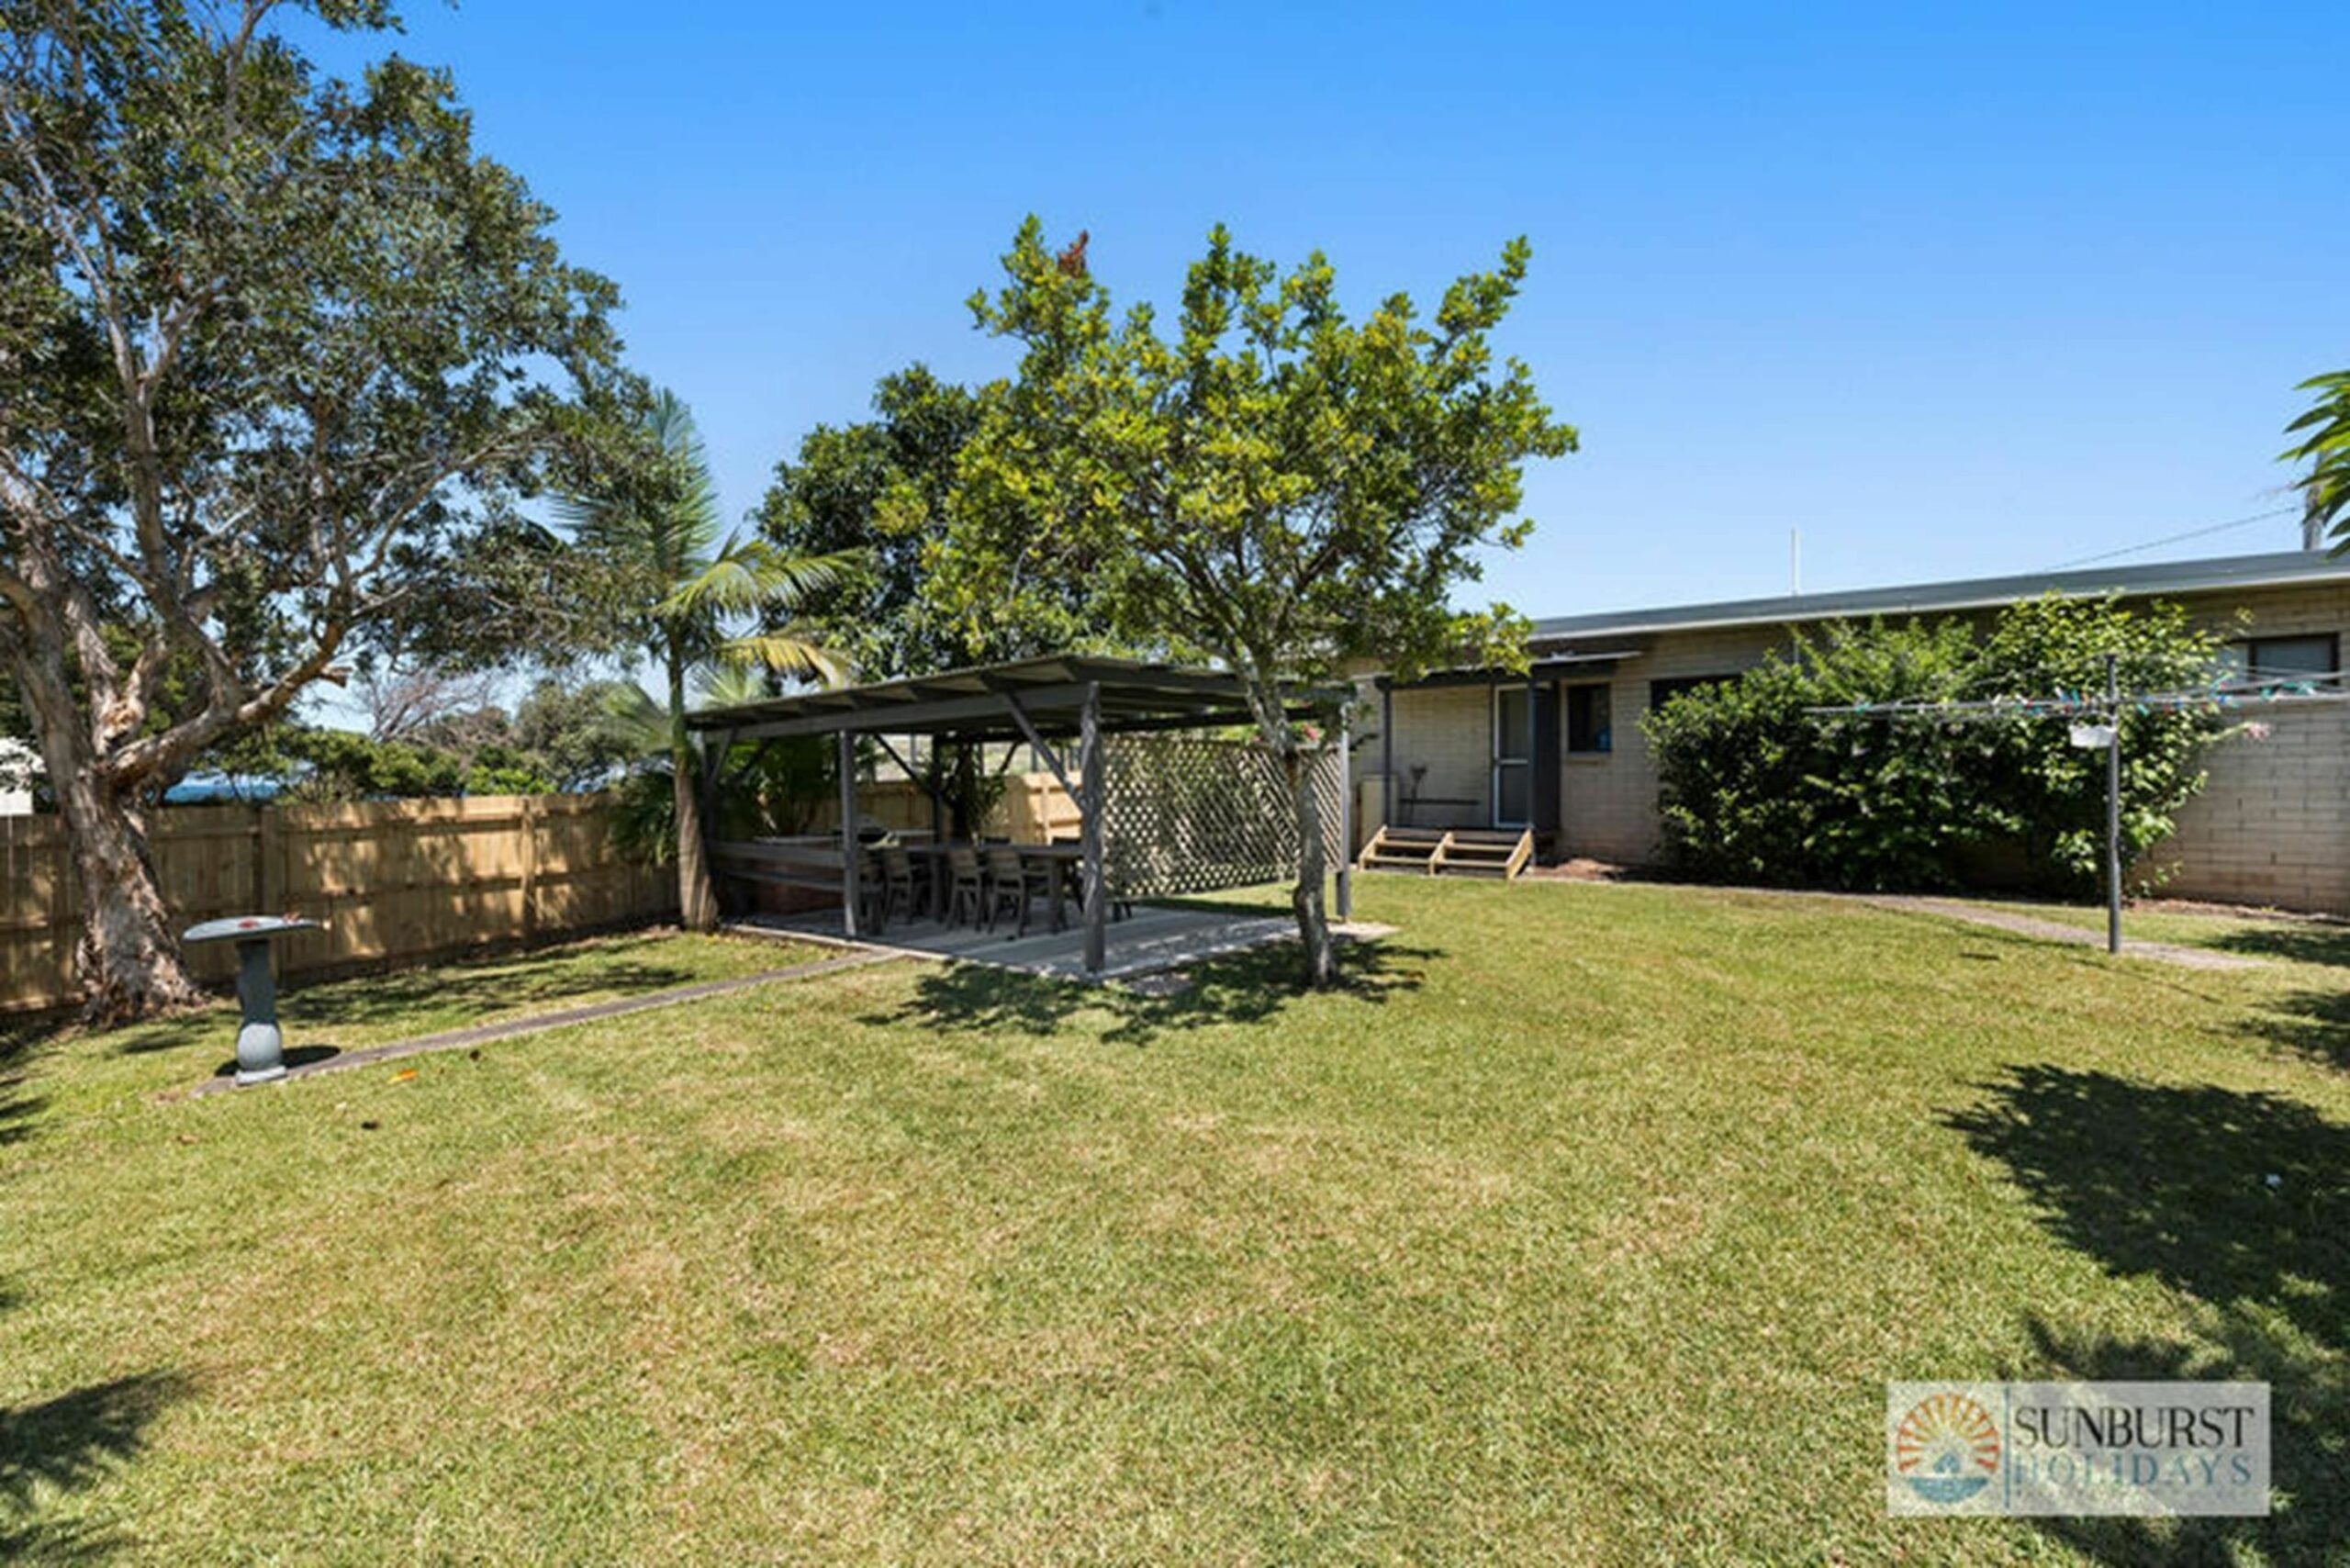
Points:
x=1156 y=937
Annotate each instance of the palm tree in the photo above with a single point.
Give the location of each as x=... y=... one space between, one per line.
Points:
x=699 y=599
x=2321 y=439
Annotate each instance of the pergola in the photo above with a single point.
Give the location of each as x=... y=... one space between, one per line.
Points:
x=1047 y=702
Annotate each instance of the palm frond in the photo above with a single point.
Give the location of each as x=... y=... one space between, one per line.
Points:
x=786 y=652
x=731 y=685
x=636 y=720
x=750 y=574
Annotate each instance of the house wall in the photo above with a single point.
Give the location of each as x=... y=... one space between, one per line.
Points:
x=2271 y=827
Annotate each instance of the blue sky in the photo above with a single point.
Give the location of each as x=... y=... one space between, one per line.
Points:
x=1956 y=291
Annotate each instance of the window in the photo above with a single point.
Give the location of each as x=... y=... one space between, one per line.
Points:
x=1587 y=716
x=1664 y=691
x=1513 y=755
x=2264 y=659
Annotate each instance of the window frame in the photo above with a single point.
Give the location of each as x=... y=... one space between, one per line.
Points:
x=2247 y=649
x=1606 y=731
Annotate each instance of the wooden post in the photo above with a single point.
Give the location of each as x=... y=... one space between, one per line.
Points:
x=1345 y=823
x=1386 y=754
x=1088 y=806
x=530 y=806
x=848 y=832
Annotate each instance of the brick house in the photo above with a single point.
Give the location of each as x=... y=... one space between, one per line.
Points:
x=1561 y=751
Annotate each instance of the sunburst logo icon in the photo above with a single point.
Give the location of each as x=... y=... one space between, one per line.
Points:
x=1946 y=1447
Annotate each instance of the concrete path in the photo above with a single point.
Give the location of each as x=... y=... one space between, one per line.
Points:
x=2057 y=931
x=507 y=1029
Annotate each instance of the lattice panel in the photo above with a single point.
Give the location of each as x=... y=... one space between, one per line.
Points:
x=1184 y=815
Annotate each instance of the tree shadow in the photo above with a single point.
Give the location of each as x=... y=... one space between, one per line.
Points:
x=18 y=1104
x=1241 y=988
x=2241 y=1200
x=505 y=986
x=67 y=1444
x=2309 y=1441
x=19 y=1110
x=2302 y=942
x=2232 y=1197
x=2314 y=1024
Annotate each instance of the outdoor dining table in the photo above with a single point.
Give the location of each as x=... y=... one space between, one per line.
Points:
x=1056 y=855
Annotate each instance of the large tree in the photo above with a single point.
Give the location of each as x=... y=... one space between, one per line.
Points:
x=275 y=347
x=886 y=488
x=655 y=556
x=1275 y=485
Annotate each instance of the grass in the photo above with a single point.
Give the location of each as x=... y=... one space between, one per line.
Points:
x=2260 y=935
x=372 y=1010
x=1587 y=1227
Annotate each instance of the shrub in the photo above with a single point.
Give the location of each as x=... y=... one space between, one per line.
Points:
x=1757 y=786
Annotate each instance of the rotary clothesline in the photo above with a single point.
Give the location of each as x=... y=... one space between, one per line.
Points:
x=2219 y=697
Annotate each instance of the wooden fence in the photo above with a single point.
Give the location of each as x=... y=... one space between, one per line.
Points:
x=392 y=879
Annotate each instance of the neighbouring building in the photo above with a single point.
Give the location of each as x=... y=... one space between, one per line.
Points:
x=20 y=766
x=1560 y=750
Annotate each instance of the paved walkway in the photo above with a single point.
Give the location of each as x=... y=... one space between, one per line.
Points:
x=2057 y=931
x=1154 y=939
x=507 y=1029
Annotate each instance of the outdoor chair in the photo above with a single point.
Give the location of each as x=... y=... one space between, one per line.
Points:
x=901 y=894
x=872 y=893
x=967 y=885
x=1013 y=884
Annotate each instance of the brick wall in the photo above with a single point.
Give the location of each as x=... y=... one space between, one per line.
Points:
x=2273 y=825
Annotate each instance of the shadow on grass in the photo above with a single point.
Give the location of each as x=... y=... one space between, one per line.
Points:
x=66 y=1444
x=2315 y=1023
x=2309 y=1441
x=2240 y=1200
x=1242 y=988
x=296 y=1056
x=19 y=1106
x=508 y=985
x=2302 y=943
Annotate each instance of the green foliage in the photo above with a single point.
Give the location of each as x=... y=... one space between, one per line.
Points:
x=566 y=727
x=341 y=765
x=884 y=489
x=658 y=560
x=2322 y=441
x=1275 y=485
x=281 y=352
x=1756 y=788
x=764 y=786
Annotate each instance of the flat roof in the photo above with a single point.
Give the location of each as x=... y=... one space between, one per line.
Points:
x=2215 y=574
x=979 y=704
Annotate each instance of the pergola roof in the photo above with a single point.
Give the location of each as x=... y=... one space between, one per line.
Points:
x=986 y=703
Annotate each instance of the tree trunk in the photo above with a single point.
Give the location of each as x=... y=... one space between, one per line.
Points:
x=129 y=959
x=696 y=900
x=1305 y=899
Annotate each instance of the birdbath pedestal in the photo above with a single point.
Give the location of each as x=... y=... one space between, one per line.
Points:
x=261 y=1049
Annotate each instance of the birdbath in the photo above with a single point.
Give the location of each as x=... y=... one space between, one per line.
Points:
x=260 y=1050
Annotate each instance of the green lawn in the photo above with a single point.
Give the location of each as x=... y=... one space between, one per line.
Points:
x=1588 y=1227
